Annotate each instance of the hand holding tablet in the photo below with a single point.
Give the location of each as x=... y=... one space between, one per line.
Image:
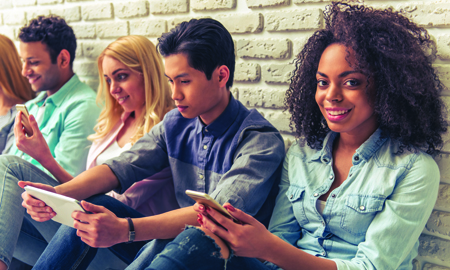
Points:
x=62 y=205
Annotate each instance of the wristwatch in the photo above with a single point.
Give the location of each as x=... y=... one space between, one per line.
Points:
x=131 y=233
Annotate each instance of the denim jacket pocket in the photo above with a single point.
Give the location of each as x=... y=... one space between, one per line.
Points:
x=296 y=195
x=359 y=211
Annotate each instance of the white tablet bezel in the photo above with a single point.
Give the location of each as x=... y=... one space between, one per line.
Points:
x=62 y=205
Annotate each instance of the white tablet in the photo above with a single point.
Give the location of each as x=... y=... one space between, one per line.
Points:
x=62 y=205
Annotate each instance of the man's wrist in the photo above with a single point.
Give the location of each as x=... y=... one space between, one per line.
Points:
x=131 y=231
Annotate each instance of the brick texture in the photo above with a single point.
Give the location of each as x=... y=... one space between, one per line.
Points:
x=169 y=6
x=435 y=248
x=277 y=73
x=14 y=18
x=439 y=223
x=97 y=11
x=429 y=266
x=430 y=14
x=131 y=9
x=266 y=3
x=242 y=23
x=267 y=48
x=92 y=49
x=309 y=19
x=247 y=72
x=24 y=3
x=151 y=28
x=202 y=5
x=443 y=161
x=84 y=31
x=71 y=14
x=112 y=29
x=49 y=2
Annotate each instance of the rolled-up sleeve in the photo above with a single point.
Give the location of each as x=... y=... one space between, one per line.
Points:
x=145 y=158
x=255 y=170
x=394 y=231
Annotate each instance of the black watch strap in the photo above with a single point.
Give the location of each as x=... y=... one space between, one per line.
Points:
x=131 y=233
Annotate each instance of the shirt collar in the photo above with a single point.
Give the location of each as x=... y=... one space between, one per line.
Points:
x=223 y=122
x=58 y=97
x=365 y=151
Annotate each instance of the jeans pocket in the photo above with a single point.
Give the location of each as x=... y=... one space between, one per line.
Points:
x=359 y=211
x=296 y=195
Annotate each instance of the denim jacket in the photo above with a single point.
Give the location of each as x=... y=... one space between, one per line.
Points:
x=373 y=219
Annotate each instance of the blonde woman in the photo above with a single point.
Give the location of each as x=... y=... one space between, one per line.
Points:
x=14 y=89
x=135 y=96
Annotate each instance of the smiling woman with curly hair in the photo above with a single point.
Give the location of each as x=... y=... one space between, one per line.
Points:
x=388 y=49
x=358 y=186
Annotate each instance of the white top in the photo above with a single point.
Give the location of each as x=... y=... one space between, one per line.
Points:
x=320 y=206
x=112 y=151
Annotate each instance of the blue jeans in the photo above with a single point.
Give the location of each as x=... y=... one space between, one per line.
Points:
x=66 y=250
x=20 y=235
x=192 y=249
x=33 y=235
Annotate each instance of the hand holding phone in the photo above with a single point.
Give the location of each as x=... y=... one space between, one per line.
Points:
x=24 y=119
x=205 y=199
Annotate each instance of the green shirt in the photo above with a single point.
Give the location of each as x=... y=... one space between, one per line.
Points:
x=68 y=118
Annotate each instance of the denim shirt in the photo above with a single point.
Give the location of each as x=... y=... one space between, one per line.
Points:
x=235 y=159
x=69 y=117
x=373 y=219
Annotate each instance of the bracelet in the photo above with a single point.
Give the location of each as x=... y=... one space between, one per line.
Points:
x=131 y=233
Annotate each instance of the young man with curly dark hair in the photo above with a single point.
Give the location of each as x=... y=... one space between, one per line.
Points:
x=211 y=143
x=358 y=186
x=61 y=117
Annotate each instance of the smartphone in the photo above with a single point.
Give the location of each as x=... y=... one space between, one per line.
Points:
x=24 y=120
x=205 y=199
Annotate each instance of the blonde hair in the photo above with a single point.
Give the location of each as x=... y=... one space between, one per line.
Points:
x=140 y=55
x=14 y=85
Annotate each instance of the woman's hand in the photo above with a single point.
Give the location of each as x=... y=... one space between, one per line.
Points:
x=35 y=146
x=102 y=228
x=250 y=239
x=37 y=209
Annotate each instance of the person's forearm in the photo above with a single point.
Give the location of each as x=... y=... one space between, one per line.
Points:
x=99 y=179
x=56 y=170
x=288 y=257
x=164 y=226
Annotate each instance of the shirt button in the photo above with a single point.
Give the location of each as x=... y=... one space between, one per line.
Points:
x=324 y=253
x=333 y=195
x=205 y=147
x=201 y=176
x=350 y=175
x=316 y=194
x=356 y=158
x=206 y=130
x=362 y=208
x=292 y=196
x=323 y=223
x=331 y=177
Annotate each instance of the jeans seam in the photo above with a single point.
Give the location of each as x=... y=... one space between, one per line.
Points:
x=80 y=259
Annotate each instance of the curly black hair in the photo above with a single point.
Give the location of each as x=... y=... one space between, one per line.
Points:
x=388 y=48
x=52 y=31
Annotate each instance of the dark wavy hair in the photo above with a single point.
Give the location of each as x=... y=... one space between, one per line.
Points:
x=388 y=48
x=206 y=43
x=52 y=31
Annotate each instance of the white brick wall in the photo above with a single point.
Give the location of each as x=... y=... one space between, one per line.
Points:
x=268 y=34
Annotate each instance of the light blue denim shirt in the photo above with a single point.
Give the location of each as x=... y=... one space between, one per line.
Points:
x=373 y=220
